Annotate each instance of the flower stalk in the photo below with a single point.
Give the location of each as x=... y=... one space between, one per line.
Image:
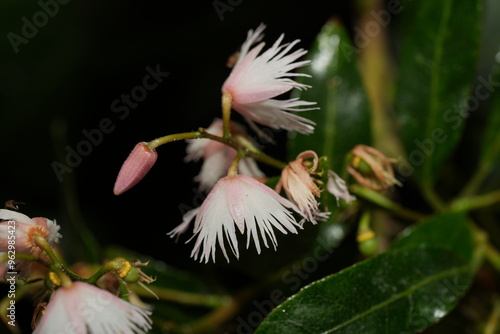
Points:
x=171 y=138
x=226 y=114
x=44 y=245
x=119 y=266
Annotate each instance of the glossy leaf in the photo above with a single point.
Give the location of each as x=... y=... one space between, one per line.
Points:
x=450 y=231
x=344 y=118
x=404 y=290
x=436 y=72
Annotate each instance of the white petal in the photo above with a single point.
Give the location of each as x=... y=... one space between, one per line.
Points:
x=241 y=200
x=186 y=220
x=273 y=114
x=17 y=216
x=84 y=308
x=337 y=187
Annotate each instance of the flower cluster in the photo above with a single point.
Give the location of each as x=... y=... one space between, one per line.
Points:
x=239 y=198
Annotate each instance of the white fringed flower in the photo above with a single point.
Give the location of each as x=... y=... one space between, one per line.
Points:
x=243 y=203
x=217 y=157
x=256 y=79
x=83 y=308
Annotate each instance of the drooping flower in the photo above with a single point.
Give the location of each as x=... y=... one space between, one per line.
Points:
x=338 y=188
x=371 y=168
x=24 y=229
x=243 y=203
x=217 y=157
x=256 y=79
x=83 y=308
x=301 y=187
x=135 y=167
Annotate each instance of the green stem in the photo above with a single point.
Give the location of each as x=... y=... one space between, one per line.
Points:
x=212 y=321
x=477 y=180
x=475 y=202
x=432 y=198
x=184 y=298
x=114 y=265
x=248 y=151
x=492 y=323
x=493 y=256
x=170 y=138
x=239 y=145
x=44 y=245
x=385 y=203
x=123 y=290
x=233 y=168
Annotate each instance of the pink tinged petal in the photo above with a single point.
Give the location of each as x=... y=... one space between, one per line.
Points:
x=252 y=38
x=257 y=78
x=133 y=170
x=260 y=93
x=23 y=232
x=84 y=308
x=236 y=197
x=240 y=200
x=239 y=71
x=337 y=187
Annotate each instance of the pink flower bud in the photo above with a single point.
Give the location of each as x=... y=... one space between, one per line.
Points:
x=137 y=165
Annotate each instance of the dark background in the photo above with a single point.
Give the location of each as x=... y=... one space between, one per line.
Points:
x=64 y=79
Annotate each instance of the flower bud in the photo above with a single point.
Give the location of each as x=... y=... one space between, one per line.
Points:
x=137 y=165
x=371 y=168
x=132 y=275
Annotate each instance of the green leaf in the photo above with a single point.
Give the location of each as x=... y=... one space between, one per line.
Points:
x=400 y=291
x=450 y=231
x=343 y=120
x=439 y=53
x=408 y=288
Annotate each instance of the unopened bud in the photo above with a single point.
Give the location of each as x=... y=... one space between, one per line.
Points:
x=133 y=170
x=132 y=276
